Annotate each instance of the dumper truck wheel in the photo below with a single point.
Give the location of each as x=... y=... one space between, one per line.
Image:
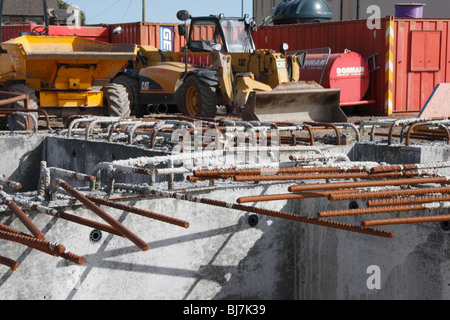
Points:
x=197 y=99
x=132 y=87
x=117 y=100
x=21 y=123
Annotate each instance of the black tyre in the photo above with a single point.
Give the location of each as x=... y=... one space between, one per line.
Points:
x=197 y=99
x=19 y=122
x=132 y=87
x=117 y=99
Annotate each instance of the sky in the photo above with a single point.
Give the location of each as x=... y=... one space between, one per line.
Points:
x=123 y=11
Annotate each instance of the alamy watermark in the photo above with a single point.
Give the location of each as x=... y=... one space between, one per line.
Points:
x=237 y=146
x=374 y=20
x=374 y=280
x=74 y=19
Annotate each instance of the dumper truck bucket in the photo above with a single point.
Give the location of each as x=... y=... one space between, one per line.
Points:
x=40 y=57
x=295 y=103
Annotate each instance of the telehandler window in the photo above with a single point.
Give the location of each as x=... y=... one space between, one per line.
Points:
x=206 y=36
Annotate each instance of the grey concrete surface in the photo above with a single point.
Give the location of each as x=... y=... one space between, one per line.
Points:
x=220 y=256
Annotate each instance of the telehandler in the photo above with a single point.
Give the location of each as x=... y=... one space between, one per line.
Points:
x=220 y=66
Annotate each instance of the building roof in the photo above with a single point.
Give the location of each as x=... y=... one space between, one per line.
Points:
x=27 y=8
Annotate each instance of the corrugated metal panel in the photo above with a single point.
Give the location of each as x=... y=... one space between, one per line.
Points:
x=143 y=33
x=149 y=34
x=413 y=55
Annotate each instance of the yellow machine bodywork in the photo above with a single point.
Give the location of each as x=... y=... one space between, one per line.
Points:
x=261 y=81
x=66 y=71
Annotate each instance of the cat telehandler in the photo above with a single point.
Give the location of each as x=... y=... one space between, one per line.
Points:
x=220 y=66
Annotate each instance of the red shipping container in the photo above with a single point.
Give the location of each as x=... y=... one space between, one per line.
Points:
x=149 y=34
x=412 y=56
x=163 y=36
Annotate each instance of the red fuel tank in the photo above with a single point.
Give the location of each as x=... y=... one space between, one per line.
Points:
x=347 y=71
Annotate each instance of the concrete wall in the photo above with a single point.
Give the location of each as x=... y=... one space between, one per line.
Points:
x=20 y=159
x=221 y=256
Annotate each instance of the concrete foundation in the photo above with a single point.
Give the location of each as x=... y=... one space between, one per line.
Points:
x=224 y=254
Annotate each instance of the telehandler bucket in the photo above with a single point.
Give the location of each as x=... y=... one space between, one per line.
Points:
x=295 y=103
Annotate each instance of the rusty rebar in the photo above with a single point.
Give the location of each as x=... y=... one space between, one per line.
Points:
x=66 y=216
x=73 y=257
x=11 y=184
x=414 y=166
x=384 y=209
x=405 y=220
x=363 y=194
x=409 y=200
x=72 y=174
x=322 y=176
x=267 y=212
x=271 y=171
x=141 y=212
x=41 y=245
x=362 y=184
x=21 y=215
x=11 y=111
x=411 y=128
x=290 y=196
x=13 y=265
x=102 y=214
x=323 y=125
x=285 y=196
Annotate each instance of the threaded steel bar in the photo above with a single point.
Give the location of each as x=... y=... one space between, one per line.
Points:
x=13 y=265
x=290 y=196
x=21 y=215
x=403 y=167
x=11 y=184
x=363 y=194
x=267 y=212
x=141 y=212
x=69 y=217
x=12 y=230
x=359 y=184
x=271 y=171
x=72 y=174
x=73 y=257
x=409 y=200
x=405 y=220
x=384 y=209
x=102 y=214
x=321 y=176
x=42 y=245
